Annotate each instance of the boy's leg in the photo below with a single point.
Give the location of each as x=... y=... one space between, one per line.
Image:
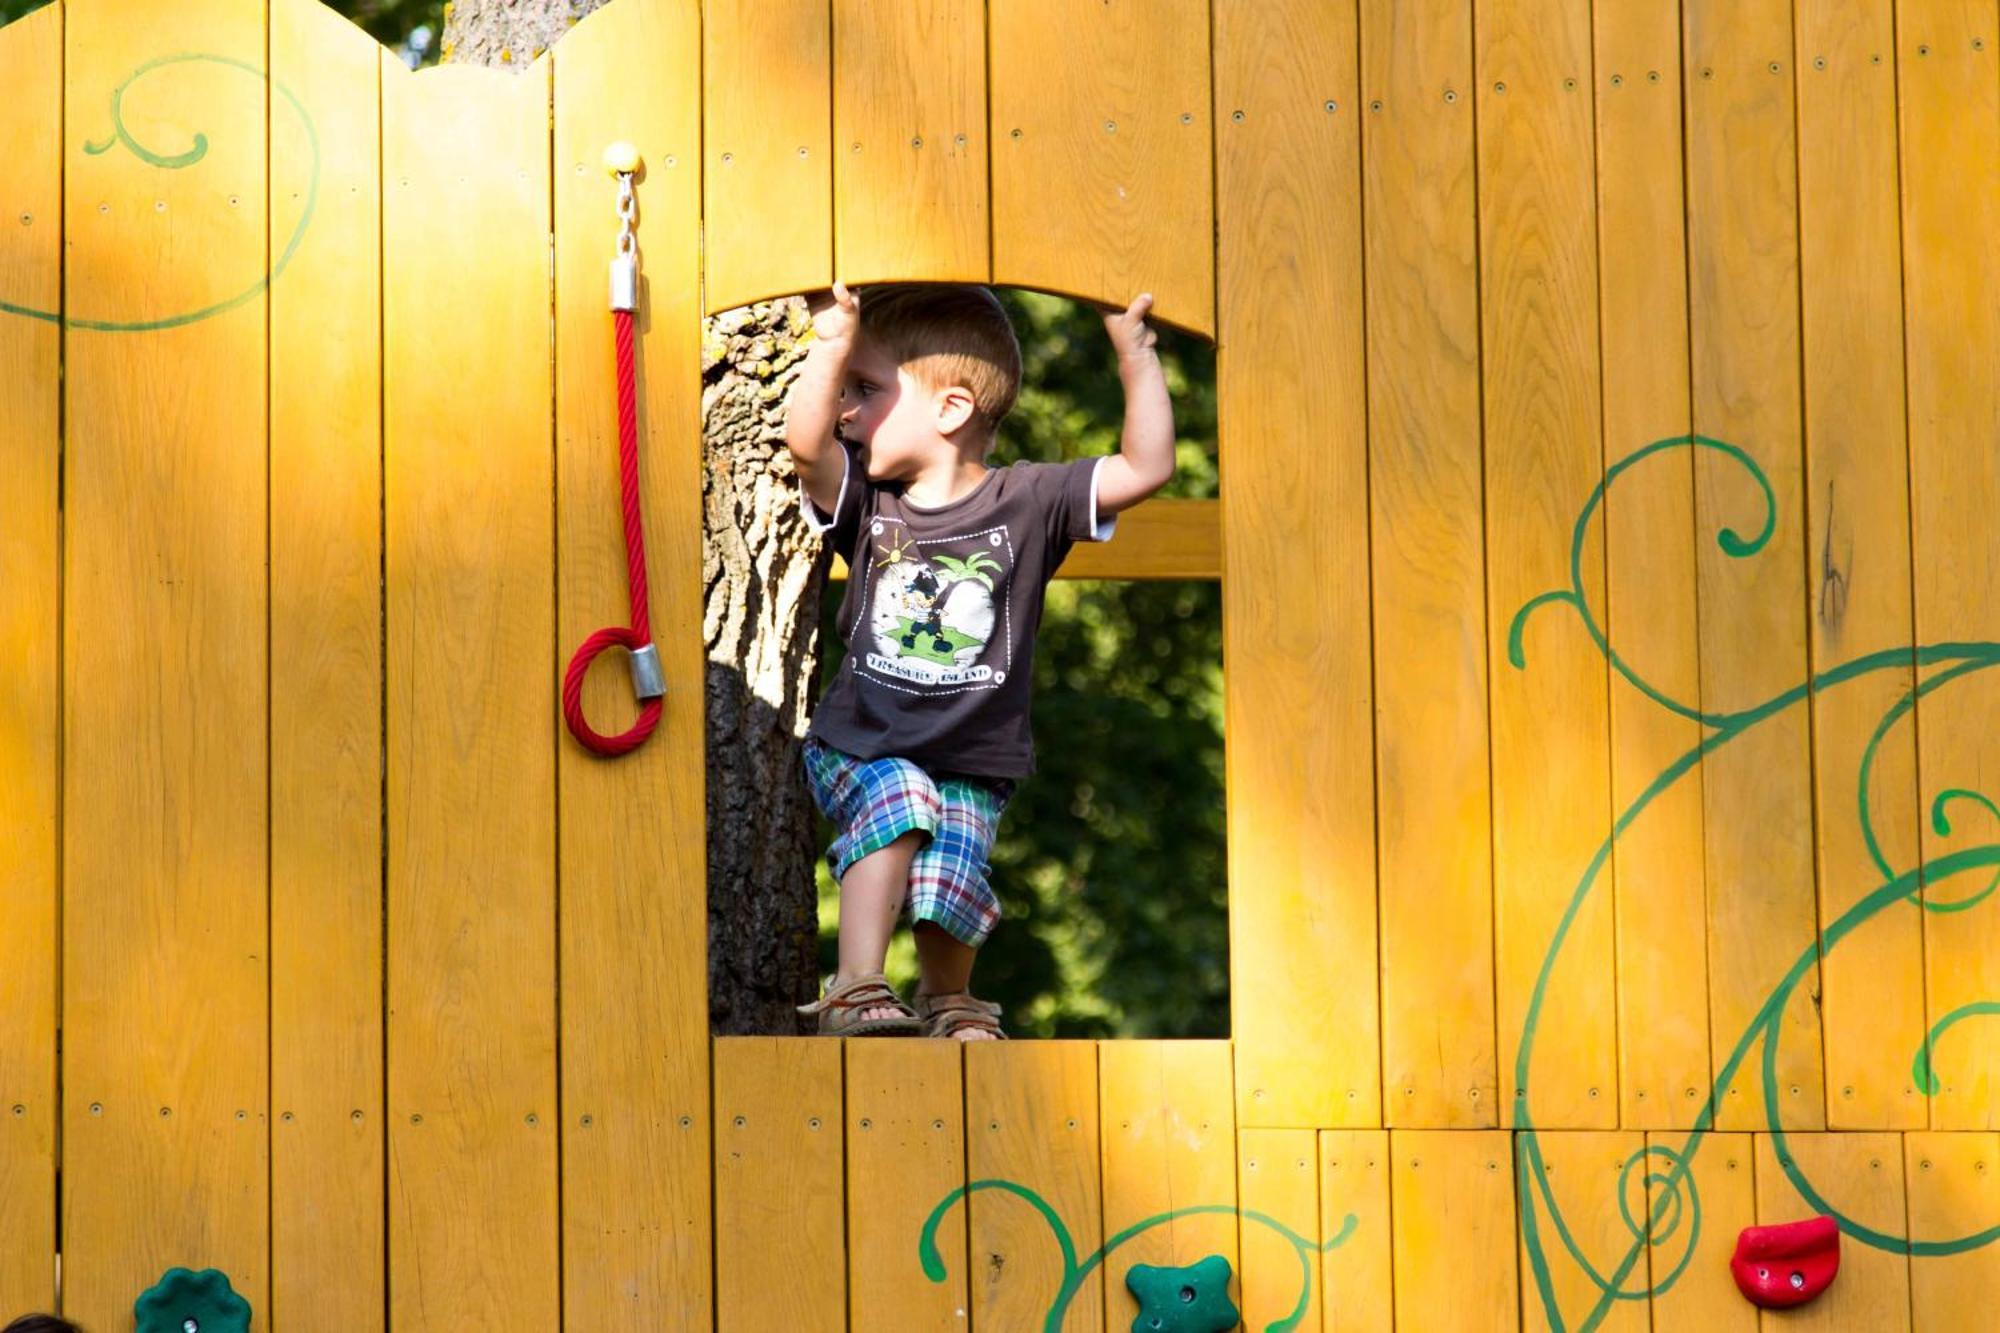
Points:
x=883 y=811
x=944 y=964
x=871 y=898
x=951 y=903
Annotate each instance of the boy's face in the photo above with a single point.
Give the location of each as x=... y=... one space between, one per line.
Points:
x=896 y=422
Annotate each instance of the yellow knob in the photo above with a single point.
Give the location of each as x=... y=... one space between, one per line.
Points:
x=621 y=158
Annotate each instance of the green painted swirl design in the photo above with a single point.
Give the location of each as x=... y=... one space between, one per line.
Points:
x=175 y=161
x=1075 y=1270
x=1667 y=1170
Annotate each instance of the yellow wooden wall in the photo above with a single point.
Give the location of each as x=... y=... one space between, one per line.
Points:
x=1609 y=401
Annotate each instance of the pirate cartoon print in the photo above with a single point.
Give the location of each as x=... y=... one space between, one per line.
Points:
x=934 y=606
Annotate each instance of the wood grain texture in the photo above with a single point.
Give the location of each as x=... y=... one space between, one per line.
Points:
x=1862 y=1176
x=636 y=1149
x=470 y=563
x=1649 y=536
x=1858 y=551
x=1453 y=1228
x=1744 y=302
x=329 y=1243
x=1439 y=1063
x=1358 y=1286
x=767 y=174
x=905 y=1154
x=1299 y=689
x=1954 y=1193
x=1543 y=455
x=1277 y=1172
x=31 y=64
x=780 y=1248
x=1169 y=1137
x=1583 y=1172
x=165 y=773
x=1031 y=1118
x=1695 y=1290
x=1950 y=114
x=1102 y=181
x=910 y=142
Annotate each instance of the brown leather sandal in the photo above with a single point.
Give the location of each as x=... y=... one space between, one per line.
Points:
x=840 y=1010
x=948 y=1015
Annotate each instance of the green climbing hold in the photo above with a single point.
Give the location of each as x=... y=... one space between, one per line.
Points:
x=1183 y=1300
x=188 y=1302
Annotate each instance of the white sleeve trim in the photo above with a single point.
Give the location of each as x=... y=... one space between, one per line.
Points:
x=811 y=510
x=1100 y=529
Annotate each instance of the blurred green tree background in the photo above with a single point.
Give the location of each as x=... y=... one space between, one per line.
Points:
x=1110 y=860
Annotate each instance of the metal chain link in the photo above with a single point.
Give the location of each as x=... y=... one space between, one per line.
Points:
x=628 y=213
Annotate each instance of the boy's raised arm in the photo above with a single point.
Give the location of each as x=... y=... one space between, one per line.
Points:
x=1145 y=458
x=814 y=409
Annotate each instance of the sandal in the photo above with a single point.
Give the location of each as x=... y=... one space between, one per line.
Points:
x=948 y=1015
x=840 y=1010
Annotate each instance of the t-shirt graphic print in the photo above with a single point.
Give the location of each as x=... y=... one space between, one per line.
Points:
x=941 y=610
x=934 y=604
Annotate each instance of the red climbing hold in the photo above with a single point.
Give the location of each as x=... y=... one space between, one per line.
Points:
x=1788 y=1264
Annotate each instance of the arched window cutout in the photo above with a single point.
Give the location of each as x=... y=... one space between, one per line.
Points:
x=1110 y=862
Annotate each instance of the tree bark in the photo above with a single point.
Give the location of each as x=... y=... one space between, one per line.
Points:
x=762 y=579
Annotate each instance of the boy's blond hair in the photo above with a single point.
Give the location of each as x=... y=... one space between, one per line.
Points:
x=948 y=334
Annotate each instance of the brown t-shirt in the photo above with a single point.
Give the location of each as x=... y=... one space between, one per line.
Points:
x=941 y=610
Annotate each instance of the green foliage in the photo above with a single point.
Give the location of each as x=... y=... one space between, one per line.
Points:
x=1110 y=860
x=13 y=9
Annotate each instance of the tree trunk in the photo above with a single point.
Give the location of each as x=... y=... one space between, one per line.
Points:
x=762 y=581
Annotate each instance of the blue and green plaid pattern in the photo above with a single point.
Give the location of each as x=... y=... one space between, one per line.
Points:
x=872 y=802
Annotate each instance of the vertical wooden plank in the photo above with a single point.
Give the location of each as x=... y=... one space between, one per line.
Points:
x=1951 y=211
x=1858 y=546
x=779 y=1244
x=910 y=142
x=1431 y=776
x=1862 y=1176
x=1453 y=1233
x=766 y=171
x=1169 y=1160
x=1543 y=454
x=635 y=1051
x=1649 y=538
x=471 y=712
x=1354 y=1183
x=31 y=138
x=905 y=1154
x=1102 y=172
x=1031 y=1125
x=1278 y=1173
x=1298 y=692
x=165 y=755
x=1695 y=1290
x=1954 y=1193
x=1583 y=1172
x=328 y=1241
x=1742 y=171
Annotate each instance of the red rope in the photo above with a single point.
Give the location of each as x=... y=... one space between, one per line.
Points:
x=641 y=632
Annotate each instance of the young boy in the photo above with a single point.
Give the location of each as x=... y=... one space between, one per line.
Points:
x=916 y=747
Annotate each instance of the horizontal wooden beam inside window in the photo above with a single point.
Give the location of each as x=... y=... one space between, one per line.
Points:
x=1159 y=539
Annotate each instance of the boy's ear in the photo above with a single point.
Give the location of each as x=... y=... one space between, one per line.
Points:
x=955 y=406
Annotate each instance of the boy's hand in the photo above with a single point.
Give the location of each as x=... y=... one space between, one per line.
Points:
x=1129 y=332
x=836 y=315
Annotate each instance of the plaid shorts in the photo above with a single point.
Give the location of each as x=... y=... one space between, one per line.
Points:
x=872 y=802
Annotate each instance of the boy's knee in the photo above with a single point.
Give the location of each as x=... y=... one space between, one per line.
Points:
x=914 y=788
